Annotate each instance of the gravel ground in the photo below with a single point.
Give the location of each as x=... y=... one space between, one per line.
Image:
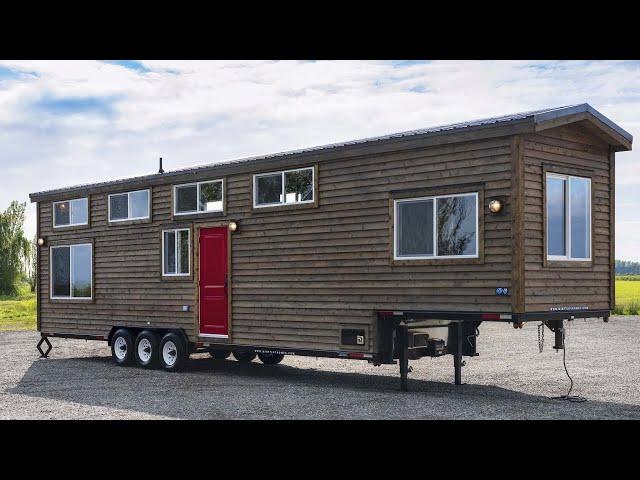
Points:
x=509 y=380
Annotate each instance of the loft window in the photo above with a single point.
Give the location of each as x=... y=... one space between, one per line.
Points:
x=129 y=206
x=444 y=226
x=71 y=212
x=283 y=188
x=71 y=271
x=198 y=197
x=176 y=252
x=568 y=207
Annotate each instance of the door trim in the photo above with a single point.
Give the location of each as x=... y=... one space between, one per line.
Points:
x=196 y=267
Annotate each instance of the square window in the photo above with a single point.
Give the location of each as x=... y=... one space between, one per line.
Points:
x=444 y=226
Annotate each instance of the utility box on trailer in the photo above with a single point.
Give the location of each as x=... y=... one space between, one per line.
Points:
x=381 y=249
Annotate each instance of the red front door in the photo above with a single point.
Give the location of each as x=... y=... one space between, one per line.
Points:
x=214 y=287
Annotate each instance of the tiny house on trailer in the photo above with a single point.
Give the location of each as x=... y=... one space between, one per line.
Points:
x=384 y=249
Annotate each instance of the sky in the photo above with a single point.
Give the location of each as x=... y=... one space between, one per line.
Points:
x=70 y=122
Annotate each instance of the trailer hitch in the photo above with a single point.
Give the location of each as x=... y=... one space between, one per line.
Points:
x=45 y=340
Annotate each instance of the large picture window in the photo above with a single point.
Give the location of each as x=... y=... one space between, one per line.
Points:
x=568 y=207
x=283 y=188
x=71 y=271
x=71 y=213
x=176 y=252
x=444 y=226
x=129 y=206
x=199 y=197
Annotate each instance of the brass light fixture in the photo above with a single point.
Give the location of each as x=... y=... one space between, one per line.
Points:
x=41 y=241
x=495 y=206
x=233 y=226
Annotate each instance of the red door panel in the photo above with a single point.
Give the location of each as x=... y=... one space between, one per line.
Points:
x=214 y=305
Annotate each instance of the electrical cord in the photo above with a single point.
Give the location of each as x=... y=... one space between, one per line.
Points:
x=568 y=396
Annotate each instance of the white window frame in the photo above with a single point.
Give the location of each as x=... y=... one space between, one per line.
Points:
x=567 y=219
x=195 y=212
x=176 y=243
x=53 y=215
x=70 y=297
x=129 y=217
x=435 y=255
x=282 y=193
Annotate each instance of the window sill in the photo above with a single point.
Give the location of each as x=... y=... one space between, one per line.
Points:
x=177 y=278
x=197 y=216
x=125 y=223
x=438 y=261
x=72 y=300
x=568 y=264
x=285 y=206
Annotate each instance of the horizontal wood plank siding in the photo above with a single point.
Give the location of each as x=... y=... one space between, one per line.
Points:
x=299 y=275
x=548 y=285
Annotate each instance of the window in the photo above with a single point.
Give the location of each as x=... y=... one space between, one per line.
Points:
x=283 y=188
x=436 y=227
x=176 y=252
x=129 y=206
x=71 y=271
x=71 y=212
x=568 y=217
x=198 y=197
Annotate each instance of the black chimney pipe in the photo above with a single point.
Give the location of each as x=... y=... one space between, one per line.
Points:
x=160 y=170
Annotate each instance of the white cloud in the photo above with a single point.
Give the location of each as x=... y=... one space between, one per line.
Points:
x=194 y=112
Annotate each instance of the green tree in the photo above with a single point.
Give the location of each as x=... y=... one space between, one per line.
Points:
x=15 y=249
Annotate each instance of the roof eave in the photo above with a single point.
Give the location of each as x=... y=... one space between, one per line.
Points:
x=618 y=138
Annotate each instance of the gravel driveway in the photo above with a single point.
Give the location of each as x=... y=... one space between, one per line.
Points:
x=509 y=380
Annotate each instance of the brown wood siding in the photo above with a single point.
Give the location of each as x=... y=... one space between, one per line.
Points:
x=573 y=150
x=299 y=275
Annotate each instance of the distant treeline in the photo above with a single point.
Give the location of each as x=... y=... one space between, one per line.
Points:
x=625 y=267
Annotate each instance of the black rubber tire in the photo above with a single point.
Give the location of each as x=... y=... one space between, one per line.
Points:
x=180 y=357
x=152 y=362
x=270 y=358
x=220 y=354
x=129 y=346
x=244 y=357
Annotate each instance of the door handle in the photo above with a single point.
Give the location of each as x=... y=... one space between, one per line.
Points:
x=226 y=284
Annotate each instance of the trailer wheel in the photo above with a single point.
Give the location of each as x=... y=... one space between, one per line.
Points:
x=122 y=347
x=172 y=352
x=270 y=358
x=146 y=349
x=220 y=354
x=244 y=357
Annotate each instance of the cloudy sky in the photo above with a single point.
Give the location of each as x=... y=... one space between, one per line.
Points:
x=70 y=122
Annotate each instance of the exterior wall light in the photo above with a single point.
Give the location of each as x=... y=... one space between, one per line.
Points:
x=495 y=206
x=233 y=226
x=41 y=241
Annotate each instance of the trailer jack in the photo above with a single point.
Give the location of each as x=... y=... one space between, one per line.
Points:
x=557 y=327
x=46 y=341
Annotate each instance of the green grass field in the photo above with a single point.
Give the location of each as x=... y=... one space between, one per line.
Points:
x=19 y=313
x=627 y=295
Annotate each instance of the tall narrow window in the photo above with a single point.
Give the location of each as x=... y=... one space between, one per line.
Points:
x=71 y=271
x=443 y=226
x=285 y=187
x=568 y=207
x=199 y=197
x=176 y=252
x=129 y=206
x=71 y=212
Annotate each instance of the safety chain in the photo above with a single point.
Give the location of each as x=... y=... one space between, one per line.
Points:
x=541 y=337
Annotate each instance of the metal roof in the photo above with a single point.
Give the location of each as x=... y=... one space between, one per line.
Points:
x=536 y=116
